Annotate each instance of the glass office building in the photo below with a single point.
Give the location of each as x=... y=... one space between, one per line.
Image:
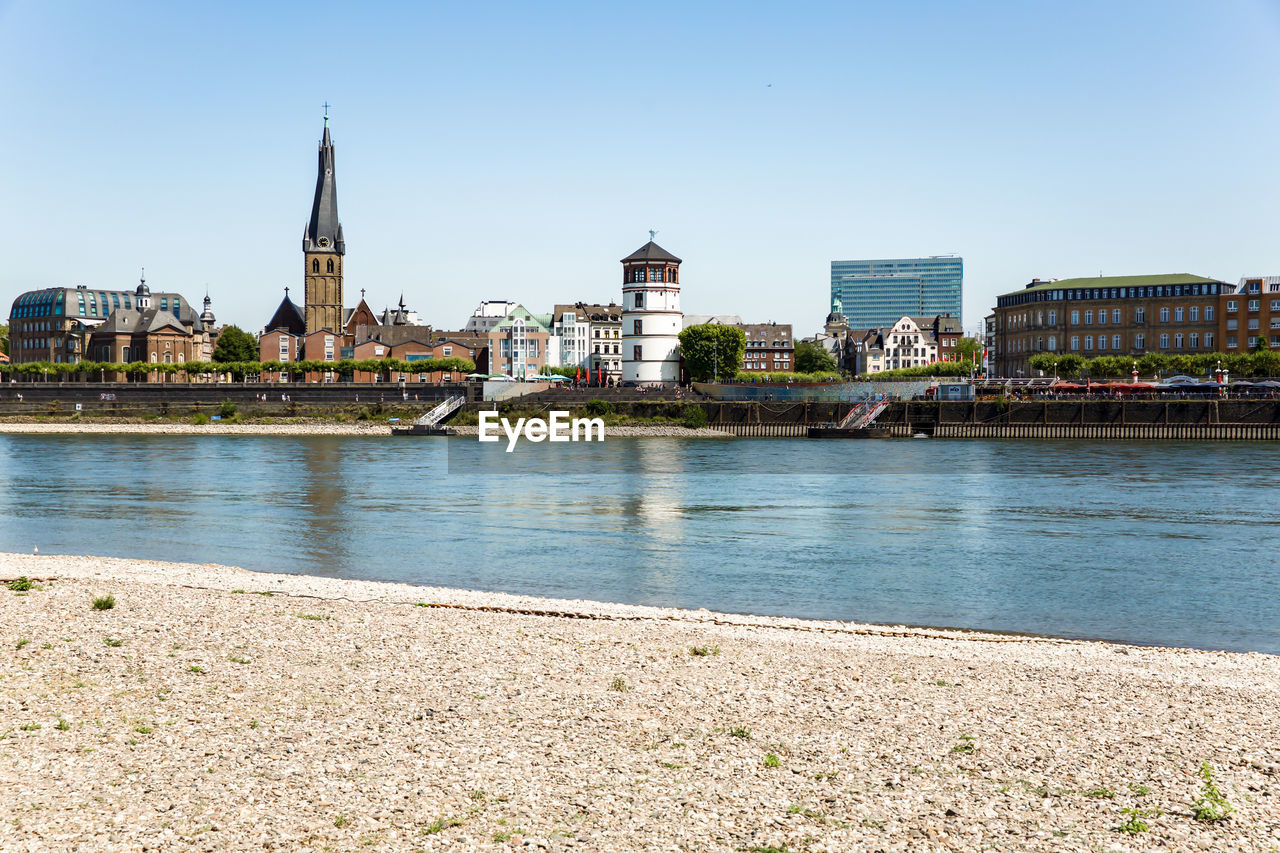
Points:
x=880 y=293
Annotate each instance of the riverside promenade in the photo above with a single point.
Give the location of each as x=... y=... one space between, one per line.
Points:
x=213 y=708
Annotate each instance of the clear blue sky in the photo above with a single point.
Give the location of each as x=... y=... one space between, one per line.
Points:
x=497 y=150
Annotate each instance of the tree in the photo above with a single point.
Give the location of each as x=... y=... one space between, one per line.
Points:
x=4 y=338
x=712 y=351
x=969 y=349
x=235 y=344
x=811 y=358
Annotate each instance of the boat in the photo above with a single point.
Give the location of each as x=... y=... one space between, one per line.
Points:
x=838 y=432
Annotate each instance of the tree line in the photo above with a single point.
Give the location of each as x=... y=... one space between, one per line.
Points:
x=238 y=369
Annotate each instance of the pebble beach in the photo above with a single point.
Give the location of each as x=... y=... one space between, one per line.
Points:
x=212 y=708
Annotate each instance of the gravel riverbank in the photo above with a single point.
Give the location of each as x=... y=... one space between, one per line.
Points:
x=217 y=709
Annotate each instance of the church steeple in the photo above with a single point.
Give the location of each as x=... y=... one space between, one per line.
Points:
x=324 y=231
x=323 y=247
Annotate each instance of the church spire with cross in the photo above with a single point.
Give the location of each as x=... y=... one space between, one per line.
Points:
x=323 y=246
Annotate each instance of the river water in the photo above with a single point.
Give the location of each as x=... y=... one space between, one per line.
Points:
x=1164 y=543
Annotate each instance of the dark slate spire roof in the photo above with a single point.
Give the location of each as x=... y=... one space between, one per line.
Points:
x=324 y=224
x=651 y=251
x=288 y=317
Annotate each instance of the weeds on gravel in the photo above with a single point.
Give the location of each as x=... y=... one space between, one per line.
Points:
x=313 y=617
x=440 y=824
x=965 y=746
x=237 y=659
x=770 y=849
x=113 y=642
x=47 y=646
x=1101 y=794
x=795 y=808
x=105 y=602
x=740 y=732
x=195 y=669
x=21 y=584
x=237 y=592
x=771 y=760
x=21 y=643
x=506 y=834
x=477 y=794
x=30 y=727
x=1138 y=790
x=1211 y=806
x=144 y=729
x=341 y=821
x=1135 y=821
x=62 y=725
x=619 y=685
x=704 y=651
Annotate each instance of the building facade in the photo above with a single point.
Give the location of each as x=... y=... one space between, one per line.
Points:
x=770 y=348
x=518 y=344
x=323 y=249
x=590 y=336
x=651 y=316
x=876 y=293
x=54 y=324
x=1174 y=314
x=1251 y=314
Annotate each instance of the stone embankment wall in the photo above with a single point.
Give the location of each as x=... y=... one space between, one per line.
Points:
x=1239 y=419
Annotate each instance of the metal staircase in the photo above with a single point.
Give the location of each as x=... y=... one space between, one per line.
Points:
x=864 y=414
x=442 y=411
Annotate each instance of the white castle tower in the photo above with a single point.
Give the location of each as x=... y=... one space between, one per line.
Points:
x=651 y=315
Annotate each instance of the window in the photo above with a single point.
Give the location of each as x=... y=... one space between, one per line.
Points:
x=1102 y=341
x=1177 y=341
x=1053 y=343
x=1177 y=315
x=1088 y=341
x=1164 y=315
x=1140 y=315
x=1231 y=305
x=1075 y=318
x=446 y=351
x=1164 y=341
x=1115 y=342
x=284 y=348
x=1253 y=324
x=1053 y=318
x=1195 y=340
x=1208 y=340
x=315 y=265
x=1139 y=341
x=1075 y=342
x=639 y=300
x=1232 y=324
x=1193 y=313
x=1088 y=318
x=1231 y=341
x=1275 y=304
x=1115 y=316
x=1254 y=304
x=1255 y=286
x=635 y=354
x=329 y=265
x=1253 y=341
x=636 y=326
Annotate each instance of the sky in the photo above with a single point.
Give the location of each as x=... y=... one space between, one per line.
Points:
x=490 y=150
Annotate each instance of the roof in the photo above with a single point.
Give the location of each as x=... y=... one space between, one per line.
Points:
x=324 y=225
x=599 y=313
x=1121 y=281
x=130 y=321
x=651 y=251
x=66 y=301
x=288 y=317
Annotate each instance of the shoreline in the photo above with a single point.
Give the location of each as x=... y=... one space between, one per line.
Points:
x=221 y=709
x=363 y=428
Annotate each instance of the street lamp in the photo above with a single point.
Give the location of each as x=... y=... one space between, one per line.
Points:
x=1135 y=371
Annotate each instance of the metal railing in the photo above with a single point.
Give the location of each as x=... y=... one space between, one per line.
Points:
x=442 y=411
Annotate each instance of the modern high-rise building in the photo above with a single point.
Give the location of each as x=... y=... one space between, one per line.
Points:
x=880 y=293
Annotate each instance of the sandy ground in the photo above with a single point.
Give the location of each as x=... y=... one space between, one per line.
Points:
x=217 y=709
x=314 y=428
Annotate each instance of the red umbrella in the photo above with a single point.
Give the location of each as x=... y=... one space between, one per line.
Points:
x=599 y=374
x=577 y=376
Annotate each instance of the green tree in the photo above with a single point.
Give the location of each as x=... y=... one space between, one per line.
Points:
x=4 y=338
x=1153 y=362
x=712 y=350
x=969 y=349
x=811 y=358
x=235 y=345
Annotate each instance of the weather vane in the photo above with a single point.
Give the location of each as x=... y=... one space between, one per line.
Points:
x=652 y=234
x=326 y=113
